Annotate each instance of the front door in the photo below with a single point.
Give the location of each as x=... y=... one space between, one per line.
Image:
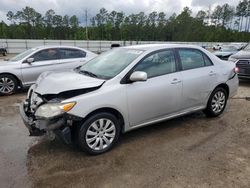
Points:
x=160 y=94
x=44 y=60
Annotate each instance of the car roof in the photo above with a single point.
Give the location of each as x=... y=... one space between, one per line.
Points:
x=54 y=46
x=149 y=47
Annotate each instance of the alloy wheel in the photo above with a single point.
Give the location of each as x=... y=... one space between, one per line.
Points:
x=100 y=134
x=7 y=85
x=218 y=102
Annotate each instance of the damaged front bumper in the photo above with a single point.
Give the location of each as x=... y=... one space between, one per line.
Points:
x=60 y=126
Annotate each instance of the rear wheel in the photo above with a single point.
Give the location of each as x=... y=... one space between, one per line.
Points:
x=8 y=84
x=216 y=103
x=99 y=133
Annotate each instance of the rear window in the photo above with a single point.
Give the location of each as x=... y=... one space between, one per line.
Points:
x=72 y=53
x=192 y=58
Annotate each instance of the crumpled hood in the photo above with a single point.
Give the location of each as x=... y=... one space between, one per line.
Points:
x=243 y=54
x=57 y=82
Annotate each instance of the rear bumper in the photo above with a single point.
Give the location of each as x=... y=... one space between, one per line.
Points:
x=57 y=126
x=233 y=85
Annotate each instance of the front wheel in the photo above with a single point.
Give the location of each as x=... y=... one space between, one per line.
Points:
x=99 y=133
x=8 y=84
x=216 y=103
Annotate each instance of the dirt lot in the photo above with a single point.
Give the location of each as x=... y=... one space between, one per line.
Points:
x=7 y=57
x=191 y=151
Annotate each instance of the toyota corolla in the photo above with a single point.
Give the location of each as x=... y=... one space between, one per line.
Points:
x=127 y=88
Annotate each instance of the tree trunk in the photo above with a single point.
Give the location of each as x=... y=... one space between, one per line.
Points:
x=246 y=24
x=241 y=20
x=239 y=24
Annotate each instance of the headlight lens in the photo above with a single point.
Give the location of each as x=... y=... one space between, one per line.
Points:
x=54 y=109
x=232 y=59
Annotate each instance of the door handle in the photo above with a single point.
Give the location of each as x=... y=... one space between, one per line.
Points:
x=175 y=81
x=212 y=73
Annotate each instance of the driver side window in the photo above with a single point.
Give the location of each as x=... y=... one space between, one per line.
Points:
x=46 y=55
x=157 y=64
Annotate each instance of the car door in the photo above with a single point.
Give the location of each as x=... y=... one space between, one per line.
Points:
x=160 y=94
x=199 y=77
x=71 y=58
x=43 y=60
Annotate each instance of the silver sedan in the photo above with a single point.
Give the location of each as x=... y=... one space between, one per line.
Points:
x=127 y=88
x=23 y=69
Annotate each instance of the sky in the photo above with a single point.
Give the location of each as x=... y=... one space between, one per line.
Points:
x=78 y=7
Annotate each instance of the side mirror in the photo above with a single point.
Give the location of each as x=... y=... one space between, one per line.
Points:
x=30 y=60
x=138 y=76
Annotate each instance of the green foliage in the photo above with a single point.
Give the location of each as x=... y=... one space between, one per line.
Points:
x=224 y=23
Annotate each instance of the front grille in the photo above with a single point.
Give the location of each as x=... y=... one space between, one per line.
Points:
x=244 y=66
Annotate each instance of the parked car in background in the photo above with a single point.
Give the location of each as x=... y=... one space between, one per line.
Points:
x=217 y=46
x=226 y=51
x=239 y=45
x=3 y=50
x=127 y=88
x=242 y=60
x=23 y=69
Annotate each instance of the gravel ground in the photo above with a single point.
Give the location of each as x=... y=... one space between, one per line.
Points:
x=7 y=57
x=191 y=151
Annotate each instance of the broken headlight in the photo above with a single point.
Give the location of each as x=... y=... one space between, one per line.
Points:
x=54 y=109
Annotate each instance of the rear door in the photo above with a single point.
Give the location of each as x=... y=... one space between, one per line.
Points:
x=44 y=60
x=199 y=77
x=71 y=58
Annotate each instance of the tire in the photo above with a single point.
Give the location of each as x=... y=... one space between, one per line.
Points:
x=8 y=84
x=92 y=133
x=216 y=103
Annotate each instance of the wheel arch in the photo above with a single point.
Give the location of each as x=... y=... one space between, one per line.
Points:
x=224 y=86
x=17 y=79
x=110 y=110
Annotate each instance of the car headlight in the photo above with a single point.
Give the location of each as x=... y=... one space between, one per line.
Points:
x=53 y=109
x=232 y=59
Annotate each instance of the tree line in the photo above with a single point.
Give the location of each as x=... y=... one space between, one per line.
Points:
x=223 y=23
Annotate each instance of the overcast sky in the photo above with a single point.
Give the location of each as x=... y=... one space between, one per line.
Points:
x=77 y=7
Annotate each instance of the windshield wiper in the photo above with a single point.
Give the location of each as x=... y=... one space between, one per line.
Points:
x=88 y=73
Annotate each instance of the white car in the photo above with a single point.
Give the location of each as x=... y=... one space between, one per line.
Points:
x=23 y=69
x=217 y=46
x=127 y=88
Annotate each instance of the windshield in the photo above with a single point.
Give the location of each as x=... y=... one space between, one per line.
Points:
x=22 y=55
x=111 y=63
x=247 y=47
